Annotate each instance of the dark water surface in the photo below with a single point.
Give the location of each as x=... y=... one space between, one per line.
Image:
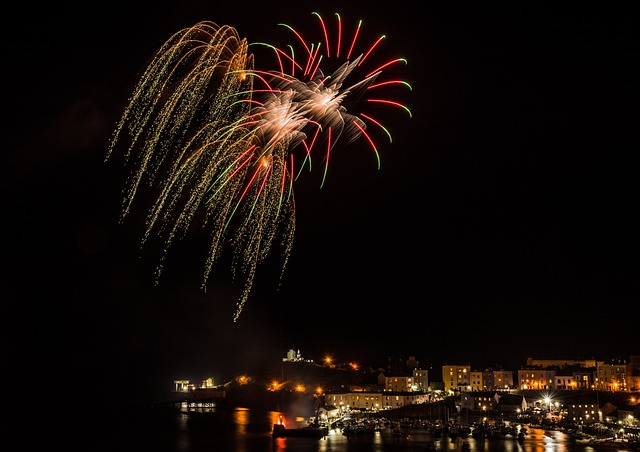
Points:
x=249 y=430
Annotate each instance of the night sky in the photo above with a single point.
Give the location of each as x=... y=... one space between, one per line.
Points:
x=501 y=224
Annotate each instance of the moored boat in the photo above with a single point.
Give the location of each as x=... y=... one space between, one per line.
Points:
x=310 y=431
x=279 y=431
x=607 y=443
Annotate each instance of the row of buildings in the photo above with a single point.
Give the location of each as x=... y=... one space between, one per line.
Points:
x=409 y=376
x=547 y=374
x=550 y=374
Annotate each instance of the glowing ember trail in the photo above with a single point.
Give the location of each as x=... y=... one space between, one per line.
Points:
x=217 y=140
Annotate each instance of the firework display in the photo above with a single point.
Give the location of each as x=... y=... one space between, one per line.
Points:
x=220 y=142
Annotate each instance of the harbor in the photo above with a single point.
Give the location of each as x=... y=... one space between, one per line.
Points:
x=252 y=430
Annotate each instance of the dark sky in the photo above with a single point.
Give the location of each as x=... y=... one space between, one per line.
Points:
x=502 y=223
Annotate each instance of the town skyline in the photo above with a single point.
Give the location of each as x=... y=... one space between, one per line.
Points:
x=619 y=373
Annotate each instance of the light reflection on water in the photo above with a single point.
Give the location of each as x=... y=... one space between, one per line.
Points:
x=538 y=441
x=246 y=430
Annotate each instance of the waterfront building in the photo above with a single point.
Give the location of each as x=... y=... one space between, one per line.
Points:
x=502 y=379
x=398 y=383
x=583 y=410
x=560 y=363
x=479 y=380
x=628 y=415
x=611 y=377
x=420 y=380
x=582 y=380
x=456 y=378
x=536 y=378
x=478 y=400
x=513 y=403
x=183 y=386
x=489 y=380
x=564 y=382
x=374 y=401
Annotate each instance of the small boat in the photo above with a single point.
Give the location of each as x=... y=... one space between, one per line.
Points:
x=582 y=438
x=312 y=431
x=607 y=443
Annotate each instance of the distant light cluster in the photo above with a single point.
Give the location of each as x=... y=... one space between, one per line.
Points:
x=295 y=357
